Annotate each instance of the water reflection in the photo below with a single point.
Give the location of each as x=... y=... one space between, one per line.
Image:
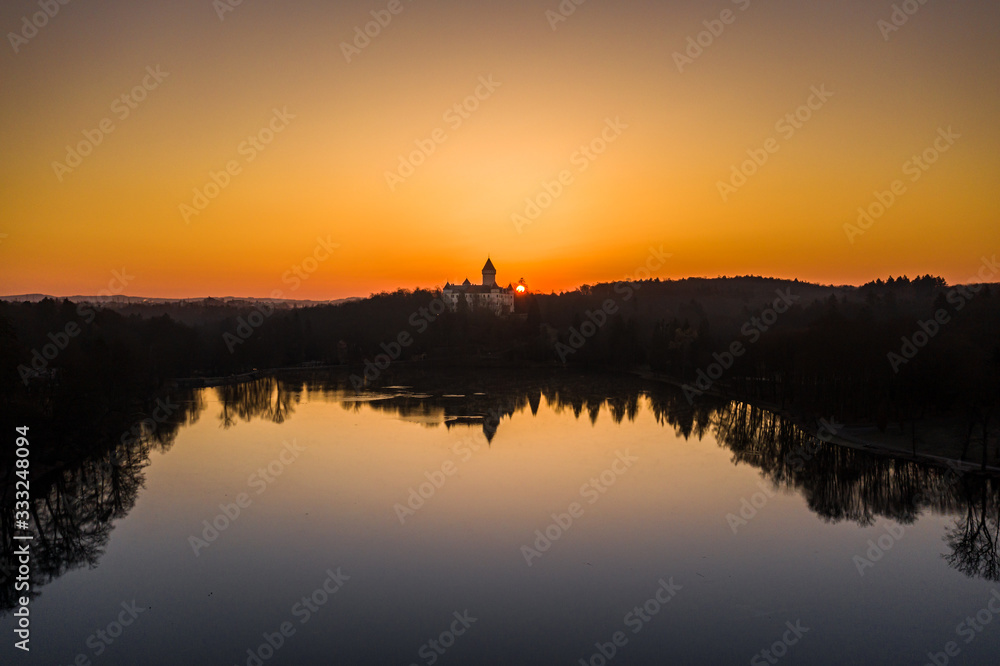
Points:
x=841 y=483
x=264 y=398
x=78 y=493
x=973 y=538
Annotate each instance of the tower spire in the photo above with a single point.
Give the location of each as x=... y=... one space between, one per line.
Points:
x=489 y=273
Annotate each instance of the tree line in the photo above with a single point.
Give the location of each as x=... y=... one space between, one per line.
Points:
x=890 y=353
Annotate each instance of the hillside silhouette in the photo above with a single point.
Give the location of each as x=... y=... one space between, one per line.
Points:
x=900 y=355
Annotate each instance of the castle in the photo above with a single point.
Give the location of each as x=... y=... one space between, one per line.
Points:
x=488 y=295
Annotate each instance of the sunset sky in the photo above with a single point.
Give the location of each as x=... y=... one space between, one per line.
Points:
x=605 y=76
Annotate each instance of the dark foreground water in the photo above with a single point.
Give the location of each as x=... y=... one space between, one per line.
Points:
x=564 y=521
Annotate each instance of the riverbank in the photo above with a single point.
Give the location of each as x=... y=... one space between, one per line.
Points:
x=939 y=442
x=936 y=441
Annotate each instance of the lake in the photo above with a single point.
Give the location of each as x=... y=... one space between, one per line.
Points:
x=502 y=518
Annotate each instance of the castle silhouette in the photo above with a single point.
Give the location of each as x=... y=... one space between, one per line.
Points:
x=488 y=295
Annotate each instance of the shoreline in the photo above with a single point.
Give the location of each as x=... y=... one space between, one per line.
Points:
x=856 y=436
x=848 y=436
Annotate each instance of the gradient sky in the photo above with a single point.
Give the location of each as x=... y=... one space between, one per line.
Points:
x=656 y=184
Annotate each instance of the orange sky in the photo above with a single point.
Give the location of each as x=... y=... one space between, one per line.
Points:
x=323 y=175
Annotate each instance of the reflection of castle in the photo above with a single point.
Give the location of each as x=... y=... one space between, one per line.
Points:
x=488 y=295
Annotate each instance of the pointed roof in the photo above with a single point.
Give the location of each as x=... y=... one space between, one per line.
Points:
x=489 y=266
x=466 y=283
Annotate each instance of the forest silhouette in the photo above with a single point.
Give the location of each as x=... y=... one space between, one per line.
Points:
x=862 y=354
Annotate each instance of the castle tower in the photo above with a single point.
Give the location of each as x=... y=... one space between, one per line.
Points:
x=489 y=274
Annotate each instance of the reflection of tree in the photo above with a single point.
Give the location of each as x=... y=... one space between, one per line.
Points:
x=266 y=397
x=670 y=407
x=974 y=537
x=77 y=493
x=841 y=483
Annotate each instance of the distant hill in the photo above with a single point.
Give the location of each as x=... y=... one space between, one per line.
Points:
x=143 y=300
x=191 y=311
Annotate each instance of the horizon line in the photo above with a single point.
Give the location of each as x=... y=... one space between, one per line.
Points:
x=43 y=295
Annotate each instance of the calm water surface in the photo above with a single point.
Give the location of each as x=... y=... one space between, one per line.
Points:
x=520 y=521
